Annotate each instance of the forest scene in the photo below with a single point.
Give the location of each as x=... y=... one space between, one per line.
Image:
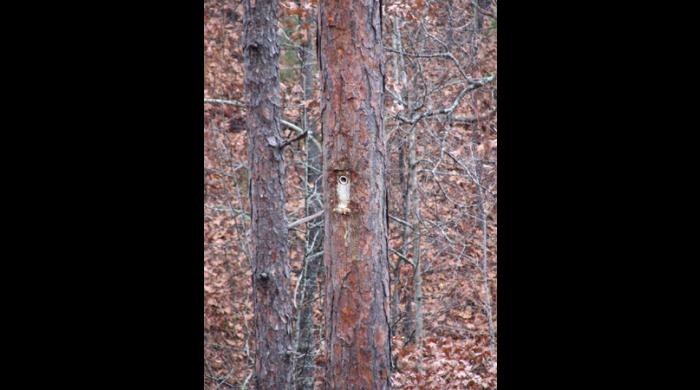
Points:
x=350 y=194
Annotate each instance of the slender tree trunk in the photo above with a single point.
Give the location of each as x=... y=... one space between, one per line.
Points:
x=416 y=221
x=478 y=15
x=271 y=297
x=355 y=246
x=314 y=237
x=484 y=269
x=396 y=293
x=400 y=77
x=483 y=266
x=397 y=269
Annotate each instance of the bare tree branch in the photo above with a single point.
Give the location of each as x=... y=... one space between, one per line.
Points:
x=305 y=219
x=474 y=84
x=402 y=257
x=239 y=104
x=401 y=221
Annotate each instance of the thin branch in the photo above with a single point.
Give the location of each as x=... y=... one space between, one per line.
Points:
x=401 y=221
x=292 y=126
x=245 y=383
x=297 y=138
x=227 y=102
x=472 y=119
x=239 y=104
x=402 y=257
x=305 y=219
x=445 y=55
x=473 y=84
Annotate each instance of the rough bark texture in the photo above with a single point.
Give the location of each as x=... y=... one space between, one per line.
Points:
x=271 y=297
x=355 y=246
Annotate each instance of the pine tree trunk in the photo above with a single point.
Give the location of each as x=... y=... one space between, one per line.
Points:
x=355 y=246
x=271 y=297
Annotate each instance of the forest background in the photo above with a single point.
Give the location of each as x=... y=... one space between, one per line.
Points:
x=441 y=129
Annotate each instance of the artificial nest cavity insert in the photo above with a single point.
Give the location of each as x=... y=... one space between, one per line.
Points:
x=343 y=191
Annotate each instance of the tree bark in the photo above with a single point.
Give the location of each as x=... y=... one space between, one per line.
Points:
x=271 y=297
x=355 y=246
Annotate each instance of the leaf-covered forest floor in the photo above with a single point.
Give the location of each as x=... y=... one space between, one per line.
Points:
x=456 y=154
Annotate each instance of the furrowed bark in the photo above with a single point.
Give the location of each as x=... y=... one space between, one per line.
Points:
x=355 y=246
x=271 y=297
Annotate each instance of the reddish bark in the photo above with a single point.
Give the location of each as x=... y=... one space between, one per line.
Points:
x=355 y=245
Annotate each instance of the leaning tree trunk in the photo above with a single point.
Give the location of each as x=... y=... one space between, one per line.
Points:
x=355 y=246
x=271 y=297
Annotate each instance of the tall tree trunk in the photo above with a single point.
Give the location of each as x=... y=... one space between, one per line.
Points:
x=271 y=297
x=415 y=222
x=478 y=165
x=488 y=307
x=355 y=246
x=314 y=237
x=400 y=77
